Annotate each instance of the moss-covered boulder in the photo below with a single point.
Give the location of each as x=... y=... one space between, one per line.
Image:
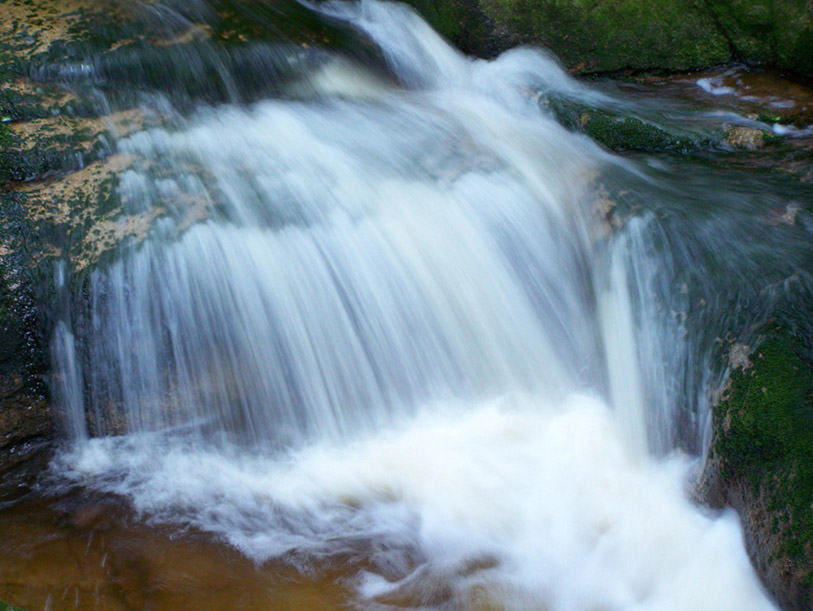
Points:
x=761 y=457
x=623 y=133
x=768 y=32
x=589 y=36
x=634 y=34
x=605 y=36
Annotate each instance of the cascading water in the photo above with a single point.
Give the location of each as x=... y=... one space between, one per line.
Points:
x=387 y=322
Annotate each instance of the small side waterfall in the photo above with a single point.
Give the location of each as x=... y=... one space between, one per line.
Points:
x=387 y=320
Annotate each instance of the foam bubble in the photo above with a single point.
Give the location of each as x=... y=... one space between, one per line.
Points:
x=514 y=499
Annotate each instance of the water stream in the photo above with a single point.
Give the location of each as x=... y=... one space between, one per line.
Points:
x=384 y=318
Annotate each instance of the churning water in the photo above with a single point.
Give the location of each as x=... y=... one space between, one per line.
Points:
x=385 y=319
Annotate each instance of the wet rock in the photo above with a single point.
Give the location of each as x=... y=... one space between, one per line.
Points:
x=590 y=36
x=745 y=138
x=622 y=133
x=25 y=415
x=634 y=34
x=761 y=456
x=73 y=77
x=768 y=32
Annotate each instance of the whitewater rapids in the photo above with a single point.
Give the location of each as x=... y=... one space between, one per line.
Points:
x=398 y=334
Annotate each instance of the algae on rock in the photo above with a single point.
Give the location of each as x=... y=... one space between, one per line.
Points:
x=634 y=35
x=761 y=456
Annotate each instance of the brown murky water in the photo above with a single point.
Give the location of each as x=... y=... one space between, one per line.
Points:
x=750 y=91
x=76 y=552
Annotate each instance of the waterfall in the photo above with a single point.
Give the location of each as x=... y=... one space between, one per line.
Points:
x=385 y=319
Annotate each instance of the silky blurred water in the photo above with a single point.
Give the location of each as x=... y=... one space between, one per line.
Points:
x=398 y=325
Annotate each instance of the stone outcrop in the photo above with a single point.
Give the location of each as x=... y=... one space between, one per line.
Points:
x=634 y=34
x=761 y=456
x=73 y=76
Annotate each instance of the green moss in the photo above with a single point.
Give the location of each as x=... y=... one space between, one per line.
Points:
x=770 y=138
x=629 y=133
x=7 y=607
x=464 y=24
x=793 y=35
x=766 y=430
x=761 y=31
x=798 y=56
x=606 y=36
x=670 y=35
x=748 y=25
x=620 y=133
x=770 y=118
x=6 y=138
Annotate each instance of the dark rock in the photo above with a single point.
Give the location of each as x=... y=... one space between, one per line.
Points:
x=761 y=456
x=634 y=34
x=26 y=425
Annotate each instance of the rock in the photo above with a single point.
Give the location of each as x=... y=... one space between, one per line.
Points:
x=622 y=133
x=71 y=79
x=590 y=36
x=633 y=34
x=761 y=457
x=745 y=138
x=26 y=424
x=768 y=32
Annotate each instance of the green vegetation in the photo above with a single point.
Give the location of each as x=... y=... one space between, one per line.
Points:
x=7 y=607
x=769 y=117
x=771 y=32
x=629 y=133
x=464 y=24
x=6 y=138
x=621 y=133
x=607 y=36
x=765 y=433
x=634 y=34
x=770 y=138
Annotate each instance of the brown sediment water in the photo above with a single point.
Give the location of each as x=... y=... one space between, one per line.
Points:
x=737 y=88
x=80 y=552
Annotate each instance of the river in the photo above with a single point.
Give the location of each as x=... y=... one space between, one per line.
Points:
x=400 y=336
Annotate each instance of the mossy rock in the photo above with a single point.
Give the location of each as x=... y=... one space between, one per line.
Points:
x=748 y=25
x=761 y=459
x=768 y=32
x=634 y=35
x=6 y=137
x=465 y=24
x=750 y=139
x=607 y=36
x=7 y=607
x=620 y=133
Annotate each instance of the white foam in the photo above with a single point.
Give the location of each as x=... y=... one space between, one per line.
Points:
x=366 y=253
x=714 y=86
x=545 y=499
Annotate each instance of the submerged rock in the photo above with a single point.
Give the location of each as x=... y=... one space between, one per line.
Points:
x=746 y=138
x=622 y=133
